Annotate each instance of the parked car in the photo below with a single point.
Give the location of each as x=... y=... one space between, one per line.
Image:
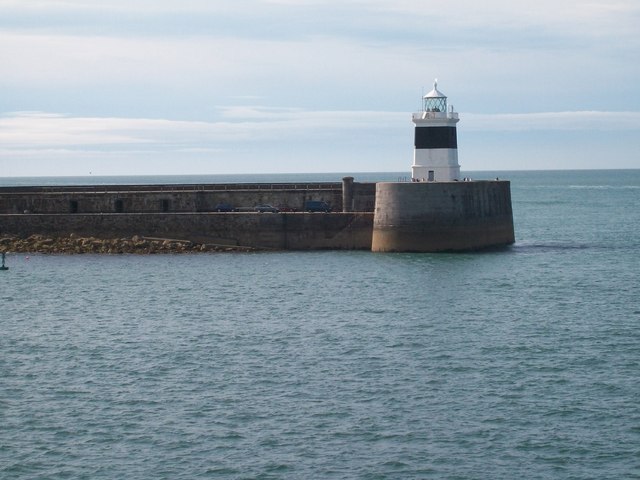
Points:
x=223 y=207
x=265 y=208
x=316 y=206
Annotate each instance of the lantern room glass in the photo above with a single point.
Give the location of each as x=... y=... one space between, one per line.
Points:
x=435 y=104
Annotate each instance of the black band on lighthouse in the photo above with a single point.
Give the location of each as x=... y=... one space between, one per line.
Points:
x=436 y=137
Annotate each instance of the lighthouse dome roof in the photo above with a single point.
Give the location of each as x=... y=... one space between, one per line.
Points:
x=435 y=93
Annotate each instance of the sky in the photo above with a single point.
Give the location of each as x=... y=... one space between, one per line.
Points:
x=155 y=87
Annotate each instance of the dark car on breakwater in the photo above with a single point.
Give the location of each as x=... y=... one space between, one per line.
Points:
x=266 y=208
x=317 y=206
x=224 y=207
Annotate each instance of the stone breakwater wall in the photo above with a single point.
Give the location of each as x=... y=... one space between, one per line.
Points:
x=278 y=231
x=184 y=198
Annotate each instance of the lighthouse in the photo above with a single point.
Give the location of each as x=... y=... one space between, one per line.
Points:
x=435 y=155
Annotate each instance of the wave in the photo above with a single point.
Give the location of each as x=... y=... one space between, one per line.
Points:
x=606 y=187
x=548 y=247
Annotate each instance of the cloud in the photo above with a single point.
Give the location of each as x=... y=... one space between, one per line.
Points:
x=212 y=65
x=259 y=139
x=280 y=48
x=30 y=130
x=243 y=126
x=377 y=21
x=554 y=121
x=241 y=140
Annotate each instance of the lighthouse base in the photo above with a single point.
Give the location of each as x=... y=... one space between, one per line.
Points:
x=442 y=216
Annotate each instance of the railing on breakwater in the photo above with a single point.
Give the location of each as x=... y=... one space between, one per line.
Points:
x=170 y=187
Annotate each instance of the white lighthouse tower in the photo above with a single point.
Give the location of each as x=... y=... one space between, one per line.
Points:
x=435 y=156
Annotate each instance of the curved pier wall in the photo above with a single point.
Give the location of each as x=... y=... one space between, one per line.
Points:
x=442 y=216
x=282 y=231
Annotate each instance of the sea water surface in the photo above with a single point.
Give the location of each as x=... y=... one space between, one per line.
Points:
x=520 y=363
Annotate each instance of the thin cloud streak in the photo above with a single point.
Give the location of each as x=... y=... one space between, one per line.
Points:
x=553 y=121
x=237 y=124
x=22 y=130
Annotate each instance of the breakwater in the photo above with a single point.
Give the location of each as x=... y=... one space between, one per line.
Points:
x=385 y=217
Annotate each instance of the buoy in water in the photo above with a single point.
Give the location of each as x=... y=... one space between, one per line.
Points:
x=3 y=267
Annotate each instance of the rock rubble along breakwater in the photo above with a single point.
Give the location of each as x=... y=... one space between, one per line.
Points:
x=74 y=244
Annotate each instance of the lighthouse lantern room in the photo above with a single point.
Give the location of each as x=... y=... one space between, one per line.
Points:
x=435 y=156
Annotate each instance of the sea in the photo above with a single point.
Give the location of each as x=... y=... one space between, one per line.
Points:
x=517 y=363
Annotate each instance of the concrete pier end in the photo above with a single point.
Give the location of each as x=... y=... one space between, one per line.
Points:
x=442 y=216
